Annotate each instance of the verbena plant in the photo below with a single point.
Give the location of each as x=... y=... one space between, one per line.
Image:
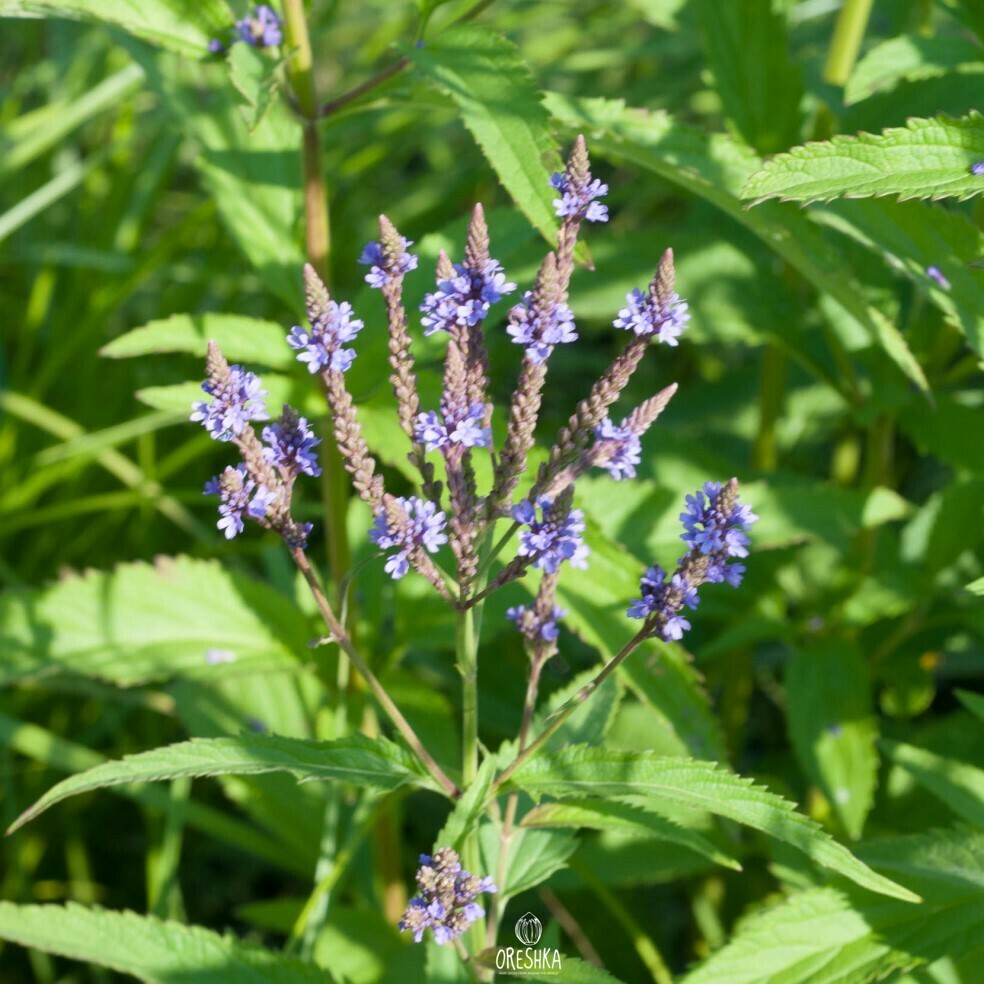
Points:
x=861 y=413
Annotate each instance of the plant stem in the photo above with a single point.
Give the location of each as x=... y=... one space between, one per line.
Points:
x=772 y=389
x=561 y=715
x=846 y=42
x=340 y=636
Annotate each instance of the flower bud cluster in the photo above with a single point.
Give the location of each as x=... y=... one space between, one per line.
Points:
x=445 y=900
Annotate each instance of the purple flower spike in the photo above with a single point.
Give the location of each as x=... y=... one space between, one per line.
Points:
x=541 y=332
x=664 y=600
x=713 y=530
x=321 y=347
x=464 y=300
x=551 y=540
x=413 y=523
x=239 y=497
x=623 y=450
x=373 y=257
x=445 y=901
x=261 y=28
x=532 y=626
x=578 y=199
x=291 y=446
x=645 y=315
x=236 y=400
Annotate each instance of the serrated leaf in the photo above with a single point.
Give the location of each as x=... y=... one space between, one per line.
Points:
x=571 y=970
x=715 y=167
x=602 y=815
x=927 y=158
x=374 y=762
x=241 y=339
x=832 y=727
x=175 y=24
x=150 y=948
x=909 y=57
x=256 y=78
x=501 y=106
x=759 y=85
x=144 y=622
x=701 y=785
x=959 y=785
x=832 y=936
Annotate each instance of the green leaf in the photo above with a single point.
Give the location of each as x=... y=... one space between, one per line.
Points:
x=942 y=430
x=976 y=587
x=175 y=24
x=150 y=948
x=241 y=339
x=144 y=622
x=909 y=57
x=701 y=785
x=759 y=85
x=469 y=807
x=531 y=858
x=373 y=762
x=714 y=167
x=958 y=785
x=501 y=106
x=611 y=815
x=256 y=78
x=914 y=236
x=572 y=970
x=832 y=726
x=927 y=158
x=831 y=936
x=973 y=702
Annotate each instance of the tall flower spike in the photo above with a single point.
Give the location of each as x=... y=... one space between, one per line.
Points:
x=261 y=28
x=715 y=527
x=579 y=191
x=291 y=445
x=414 y=528
x=553 y=538
x=348 y=434
x=445 y=900
x=659 y=313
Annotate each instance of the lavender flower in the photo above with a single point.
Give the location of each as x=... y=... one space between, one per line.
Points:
x=552 y=539
x=646 y=315
x=446 y=898
x=261 y=28
x=380 y=274
x=410 y=524
x=239 y=497
x=321 y=347
x=935 y=273
x=541 y=331
x=977 y=168
x=715 y=526
x=291 y=445
x=535 y=627
x=236 y=399
x=578 y=198
x=622 y=449
x=468 y=430
x=464 y=299
x=663 y=601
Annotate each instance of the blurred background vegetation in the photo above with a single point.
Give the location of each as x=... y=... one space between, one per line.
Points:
x=131 y=190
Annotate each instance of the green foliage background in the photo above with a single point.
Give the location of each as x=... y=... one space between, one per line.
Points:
x=151 y=199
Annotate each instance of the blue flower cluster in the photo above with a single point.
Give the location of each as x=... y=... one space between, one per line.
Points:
x=578 y=198
x=645 y=315
x=239 y=496
x=467 y=430
x=446 y=896
x=541 y=331
x=409 y=524
x=261 y=28
x=622 y=448
x=715 y=527
x=237 y=398
x=321 y=347
x=534 y=627
x=291 y=445
x=379 y=274
x=551 y=539
x=464 y=300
